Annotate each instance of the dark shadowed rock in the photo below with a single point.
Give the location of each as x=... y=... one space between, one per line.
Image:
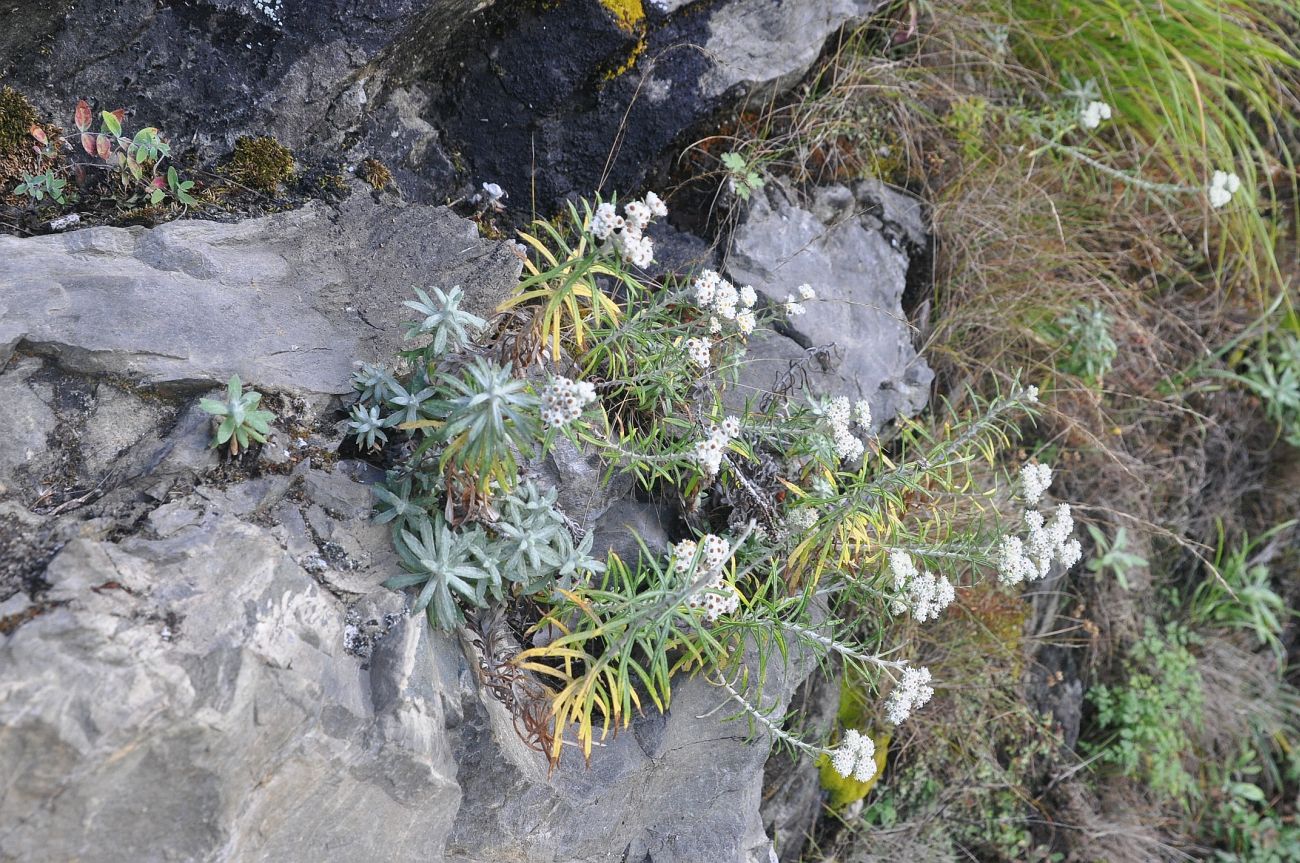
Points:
x=570 y=98
x=306 y=71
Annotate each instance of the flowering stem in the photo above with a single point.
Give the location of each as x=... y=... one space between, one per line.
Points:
x=1137 y=182
x=772 y=728
x=843 y=649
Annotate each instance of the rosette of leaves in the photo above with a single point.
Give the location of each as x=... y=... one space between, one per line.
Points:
x=448 y=566
x=533 y=542
x=488 y=416
x=241 y=421
x=444 y=319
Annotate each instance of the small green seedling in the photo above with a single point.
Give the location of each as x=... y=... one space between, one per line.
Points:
x=241 y=421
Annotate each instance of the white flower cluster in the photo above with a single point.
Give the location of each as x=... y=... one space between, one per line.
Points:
x=793 y=306
x=909 y=695
x=841 y=416
x=719 y=296
x=924 y=594
x=708 y=452
x=627 y=232
x=1034 y=480
x=1031 y=559
x=855 y=756
x=802 y=519
x=563 y=400
x=1223 y=186
x=699 y=350
x=716 y=596
x=1093 y=113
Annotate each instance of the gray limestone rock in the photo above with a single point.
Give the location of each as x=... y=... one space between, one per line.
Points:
x=859 y=275
x=288 y=301
x=189 y=698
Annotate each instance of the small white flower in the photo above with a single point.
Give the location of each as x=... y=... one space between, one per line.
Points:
x=792 y=306
x=855 y=756
x=715 y=325
x=699 y=351
x=637 y=215
x=1031 y=395
x=706 y=285
x=862 y=414
x=910 y=694
x=656 y=204
x=803 y=518
x=1034 y=480
x=724 y=301
x=730 y=427
x=563 y=401
x=604 y=221
x=806 y=292
x=748 y=296
x=745 y=322
x=1223 y=186
x=848 y=447
x=902 y=567
x=1094 y=113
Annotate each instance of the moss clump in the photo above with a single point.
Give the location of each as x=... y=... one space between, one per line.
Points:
x=375 y=173
x=17 y=116
x=261 y=163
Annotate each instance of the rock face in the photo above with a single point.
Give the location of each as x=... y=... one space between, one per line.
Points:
x=573 y=97
x=198 y=662
x=857 y=263
x=288 y=301
x=306 y=71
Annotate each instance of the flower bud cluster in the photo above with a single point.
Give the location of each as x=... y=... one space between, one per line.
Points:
x=626 y=233
x=910 y=694
x=708 y=557
x=794 y=305
x=1093 y=113
x=708 y=452
x=855 y=756
x=924 y=594
x=563 y=401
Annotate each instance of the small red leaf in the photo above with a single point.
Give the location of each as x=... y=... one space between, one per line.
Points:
x=103 y=146
x=88 y=143
x=158 y=183
x=82 y=117
x=39 y=134
x=120 y=114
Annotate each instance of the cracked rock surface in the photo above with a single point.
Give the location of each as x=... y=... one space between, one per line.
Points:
x=854 y=247
x=289 y=301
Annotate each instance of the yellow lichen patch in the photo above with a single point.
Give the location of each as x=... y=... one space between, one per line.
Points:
x=630 y=60
x=629 y=14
